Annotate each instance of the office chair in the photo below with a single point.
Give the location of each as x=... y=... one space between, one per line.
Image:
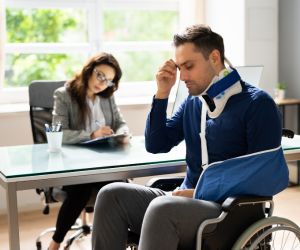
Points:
x=41 y=105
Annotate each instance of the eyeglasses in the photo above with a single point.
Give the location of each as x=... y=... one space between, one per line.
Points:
x=102 y=78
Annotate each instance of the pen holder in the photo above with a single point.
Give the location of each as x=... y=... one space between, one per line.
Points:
x=54 y=140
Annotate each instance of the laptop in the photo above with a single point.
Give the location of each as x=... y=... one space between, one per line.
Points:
x=249 y=74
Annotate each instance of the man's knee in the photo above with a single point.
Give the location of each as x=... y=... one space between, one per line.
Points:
x=117 y=194
x=160 y=207
x=110 y=192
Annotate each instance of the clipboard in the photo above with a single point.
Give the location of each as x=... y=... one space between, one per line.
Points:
x=104 y=139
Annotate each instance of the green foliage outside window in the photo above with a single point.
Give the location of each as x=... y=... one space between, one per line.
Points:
x=141 y=66
x=34 y=26
x=27 y=68
x=37 y=25
x=45 y=25
x=69 y=25
x=140 y=25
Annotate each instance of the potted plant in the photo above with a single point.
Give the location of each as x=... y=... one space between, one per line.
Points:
x=280 y=91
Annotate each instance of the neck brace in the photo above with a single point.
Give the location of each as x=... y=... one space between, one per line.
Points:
x=222 y=87
x=214 y=99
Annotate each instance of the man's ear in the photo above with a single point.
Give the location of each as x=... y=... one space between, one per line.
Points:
x=215 y=57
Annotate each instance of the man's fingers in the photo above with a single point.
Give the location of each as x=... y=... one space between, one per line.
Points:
x=164 y=74
x=171 y=63
x=169 y=67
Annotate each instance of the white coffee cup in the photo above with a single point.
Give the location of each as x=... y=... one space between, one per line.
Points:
x=54 y=140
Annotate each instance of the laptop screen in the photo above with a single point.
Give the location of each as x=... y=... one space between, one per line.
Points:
x=249 y=74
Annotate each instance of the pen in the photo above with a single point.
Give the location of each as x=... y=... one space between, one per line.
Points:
x=53 y=128
x=47 y=127
x=58 y=127
x=97 y=123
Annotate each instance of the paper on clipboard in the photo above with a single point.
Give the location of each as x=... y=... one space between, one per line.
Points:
x=103 y=139
x=291 y=143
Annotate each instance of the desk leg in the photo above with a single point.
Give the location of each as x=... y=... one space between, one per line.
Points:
x=298 y=119
x=298 y=173
x=13 y=220
x=283 y=115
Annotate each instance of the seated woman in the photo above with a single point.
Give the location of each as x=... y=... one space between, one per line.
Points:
x=86 y=108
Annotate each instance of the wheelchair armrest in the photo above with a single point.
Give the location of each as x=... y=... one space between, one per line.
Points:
x=231 y=202
x=165 y=183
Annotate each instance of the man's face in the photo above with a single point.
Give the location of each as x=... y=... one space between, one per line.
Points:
x=196 y=71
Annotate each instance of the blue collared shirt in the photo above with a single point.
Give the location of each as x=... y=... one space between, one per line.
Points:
x=250 y=122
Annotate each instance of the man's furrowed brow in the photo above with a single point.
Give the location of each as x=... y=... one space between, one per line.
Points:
x=182 y=64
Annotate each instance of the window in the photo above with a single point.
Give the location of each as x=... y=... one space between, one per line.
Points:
x=52 y=39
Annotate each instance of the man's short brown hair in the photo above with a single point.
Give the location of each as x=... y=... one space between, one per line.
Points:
x=203 y=38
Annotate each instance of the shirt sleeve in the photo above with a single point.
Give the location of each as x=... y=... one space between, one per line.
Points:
x=264 y=129
x=61 y=114
x=161 y=134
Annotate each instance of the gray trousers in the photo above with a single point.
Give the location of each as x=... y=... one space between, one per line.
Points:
x=163 y=222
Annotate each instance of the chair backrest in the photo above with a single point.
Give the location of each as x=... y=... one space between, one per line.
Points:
x=41 y=106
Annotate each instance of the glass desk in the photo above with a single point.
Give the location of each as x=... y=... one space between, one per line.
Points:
x=32 y=166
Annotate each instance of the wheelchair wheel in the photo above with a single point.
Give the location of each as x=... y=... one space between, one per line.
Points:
x=270 y=233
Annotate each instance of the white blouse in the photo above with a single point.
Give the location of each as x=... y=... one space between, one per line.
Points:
x=97 y=118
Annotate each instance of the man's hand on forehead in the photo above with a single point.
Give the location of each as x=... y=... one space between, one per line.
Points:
x=171 y=62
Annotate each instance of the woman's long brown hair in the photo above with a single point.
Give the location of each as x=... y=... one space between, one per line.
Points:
x=78 y=85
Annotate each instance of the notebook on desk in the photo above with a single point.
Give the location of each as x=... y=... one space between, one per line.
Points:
x=249 y=74
x=291 y=143
x=104 y=139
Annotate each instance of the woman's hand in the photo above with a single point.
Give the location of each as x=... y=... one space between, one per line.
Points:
x=189 y=193
x=103 y=131
x=124 y=139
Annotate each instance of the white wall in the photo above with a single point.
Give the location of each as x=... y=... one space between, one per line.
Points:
x=289 y=54
x=289 y=49
x=227 y=19
x=15 y=129
x=262 y=39
x=250 y=32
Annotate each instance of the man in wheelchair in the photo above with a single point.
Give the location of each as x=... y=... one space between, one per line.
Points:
x=232 y=132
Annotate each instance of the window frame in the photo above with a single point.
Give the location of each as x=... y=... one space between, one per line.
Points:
x=94 y=7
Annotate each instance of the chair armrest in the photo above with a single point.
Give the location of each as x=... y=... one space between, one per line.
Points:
x=287 y=133
x=165 y=183
x=231 y=202
x=58 y=194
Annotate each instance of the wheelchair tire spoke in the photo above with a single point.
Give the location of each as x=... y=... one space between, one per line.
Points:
x=272 y=233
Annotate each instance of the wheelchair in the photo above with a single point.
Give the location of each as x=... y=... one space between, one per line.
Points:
x=257 y=230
